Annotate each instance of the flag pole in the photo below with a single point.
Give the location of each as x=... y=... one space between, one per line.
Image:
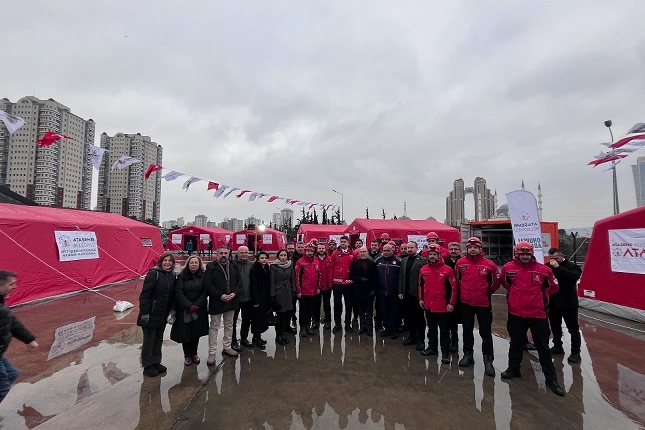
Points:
x=608 y=124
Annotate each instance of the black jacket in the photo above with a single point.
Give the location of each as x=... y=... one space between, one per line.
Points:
x=190 y=290
x=414 y=275
x=156 y=298
x=365 y=280
x=567 y=274
x=11 y=327
x=260 y=292
x=217 y=285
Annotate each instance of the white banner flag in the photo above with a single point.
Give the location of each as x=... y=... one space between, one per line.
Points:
x=172 y=175
x=189 y=182
x=627 y=250
x=125 y=161
x=12 y=122
x=231 y=190
x=221 y=190
x=523 y=213
x=76 y=245
x=96 y=156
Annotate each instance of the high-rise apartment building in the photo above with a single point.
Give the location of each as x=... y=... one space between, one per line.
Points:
x=485 y=202
x=286 y=217
x=232 y=224
x=275 y=220
x=201 y=221
x=126 y=191
x=58 y=175
x=180 y=221
x=638 y=170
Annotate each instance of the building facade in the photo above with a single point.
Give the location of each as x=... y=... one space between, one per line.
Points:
x=638 y=170
x=58 y=175
x=286 y=217
x=485 y=202
x=126 y=191
x=201 y=221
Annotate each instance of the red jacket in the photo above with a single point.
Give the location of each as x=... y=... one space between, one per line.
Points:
x=339 y=267
x=307 y=276
x=477 y=278
x=437 y=287
x=529 y=287
x=325 y=271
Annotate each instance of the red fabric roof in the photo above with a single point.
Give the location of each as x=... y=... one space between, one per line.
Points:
x=30 y=250
x=217 y=235
x=401 y=228
x=278 y=240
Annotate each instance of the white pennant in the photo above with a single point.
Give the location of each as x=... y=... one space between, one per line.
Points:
x=190 y=181
x=12 y=122
x=96 y=156
x=172 y=175
x=220 y=190
x=125 y=161
x=229 y=193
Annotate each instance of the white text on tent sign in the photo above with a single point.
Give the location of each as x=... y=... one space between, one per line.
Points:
x=76 y=245
x=627 y=250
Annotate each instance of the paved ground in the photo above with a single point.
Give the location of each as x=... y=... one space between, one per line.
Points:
x=325 y=382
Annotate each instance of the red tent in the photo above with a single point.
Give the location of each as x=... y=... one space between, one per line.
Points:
x=400 y=230
x=269 y=240
x=57 y=251
x=613 y=279
x=199 y=236
x=306 y=232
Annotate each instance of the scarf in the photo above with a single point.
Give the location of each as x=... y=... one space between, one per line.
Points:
x=284 y=265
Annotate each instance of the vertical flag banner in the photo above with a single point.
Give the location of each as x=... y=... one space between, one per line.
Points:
x=523 y=212
x=96 y=156
x=12 y=122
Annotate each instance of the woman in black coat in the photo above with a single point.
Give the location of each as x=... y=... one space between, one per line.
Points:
x=155 y=303
x=260 y=286
x=192 y=313
x=282 y=293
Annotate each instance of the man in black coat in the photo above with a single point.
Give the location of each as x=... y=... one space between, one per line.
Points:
x=224 y=285
x=564 y=304
x=365 y=276
x=409 y=292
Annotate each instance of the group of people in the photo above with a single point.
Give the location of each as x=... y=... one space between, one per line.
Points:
x=426 y=294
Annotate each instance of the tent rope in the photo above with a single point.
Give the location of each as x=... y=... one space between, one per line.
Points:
x=138 y=238
x=54 y=269
x=109 y=255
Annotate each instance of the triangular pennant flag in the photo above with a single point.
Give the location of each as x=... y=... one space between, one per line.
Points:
x=125 y=161
x=253 y=196
x=151 y=169
x=220 y=190
x=96 y=156
x=172 y=175
x=293 y=201
x=49 y=138
x=189 y=182
x=229 y=193
x=12 y=122
x=311 y=206
x=272 y=198
x=242 y=193
x=212 y=186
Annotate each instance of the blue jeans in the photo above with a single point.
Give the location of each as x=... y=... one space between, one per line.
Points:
x=8 y=374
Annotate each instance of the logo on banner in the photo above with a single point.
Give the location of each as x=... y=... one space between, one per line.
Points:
x=523 y=216
x=76 y=245
x=627 y=250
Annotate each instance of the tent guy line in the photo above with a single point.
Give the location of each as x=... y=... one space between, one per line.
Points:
x=611 y=323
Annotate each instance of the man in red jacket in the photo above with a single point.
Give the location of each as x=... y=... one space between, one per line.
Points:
x=324 y=261
x=307 y=288
x=341 y=259
x=529 y=285
x=477 y=277
x=437 y=296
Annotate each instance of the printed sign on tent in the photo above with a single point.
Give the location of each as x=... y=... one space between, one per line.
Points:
x=420 y=239
x=71 y=336
x=176 y=239
x=336 y=238
x=627 y=250
x=76 y=245
x=240 y=239
x=205 y=237
x=267 y=239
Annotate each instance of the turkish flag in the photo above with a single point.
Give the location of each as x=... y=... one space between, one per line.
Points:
x=50 y=138
x=212 y=186
x=151 y=169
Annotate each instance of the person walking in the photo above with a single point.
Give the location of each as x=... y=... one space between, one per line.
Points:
x=282 y=293
x=190 y=306
x=224 y=285
x=155 y=310
x=529 y=286
x=260 y=297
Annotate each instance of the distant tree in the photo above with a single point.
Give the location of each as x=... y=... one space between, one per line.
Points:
x=150 y=221
x=383 y=212
x=315 y=218
x=336 y=216
x=324 y=217
x=395 y=217
x=367 y=213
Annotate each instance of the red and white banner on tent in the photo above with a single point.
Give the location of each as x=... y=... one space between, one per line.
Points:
x=627 y=250
x=523 y=212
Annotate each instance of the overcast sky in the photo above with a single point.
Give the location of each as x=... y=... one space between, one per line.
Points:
x=385 y=102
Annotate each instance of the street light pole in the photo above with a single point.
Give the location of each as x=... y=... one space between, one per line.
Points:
x=608 y=124
x=342 y=205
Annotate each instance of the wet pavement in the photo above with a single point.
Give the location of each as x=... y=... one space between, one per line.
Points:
x=344 y=381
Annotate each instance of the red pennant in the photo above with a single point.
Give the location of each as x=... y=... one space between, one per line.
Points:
x=50 y=138
x=212 y=186
x=242 y=193
x=151 y=169
x=272 y=198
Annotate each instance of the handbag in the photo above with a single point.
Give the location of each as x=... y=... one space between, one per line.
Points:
x=272 y=318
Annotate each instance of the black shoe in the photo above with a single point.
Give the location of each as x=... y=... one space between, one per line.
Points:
x=510 y=374
x=467 y=360
x=310 y=332
x=280 y=340
x=259 y=343
x=151 y=371
x=454 y=347
x=362 y=330
x=489 y=369
x=530 y=346
x=420 y=346
x=248 y=344
x=303 y=333
x=574 y=358
x=161 y=368
x=555 y=387
x=337 y=328
x=408 y=341
x=386 y=333
x=236 y=347
x=348 y=329
x=429 y=351
x=557 y=350
x=327 y=326
x=445 y=358
x=262 y=341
